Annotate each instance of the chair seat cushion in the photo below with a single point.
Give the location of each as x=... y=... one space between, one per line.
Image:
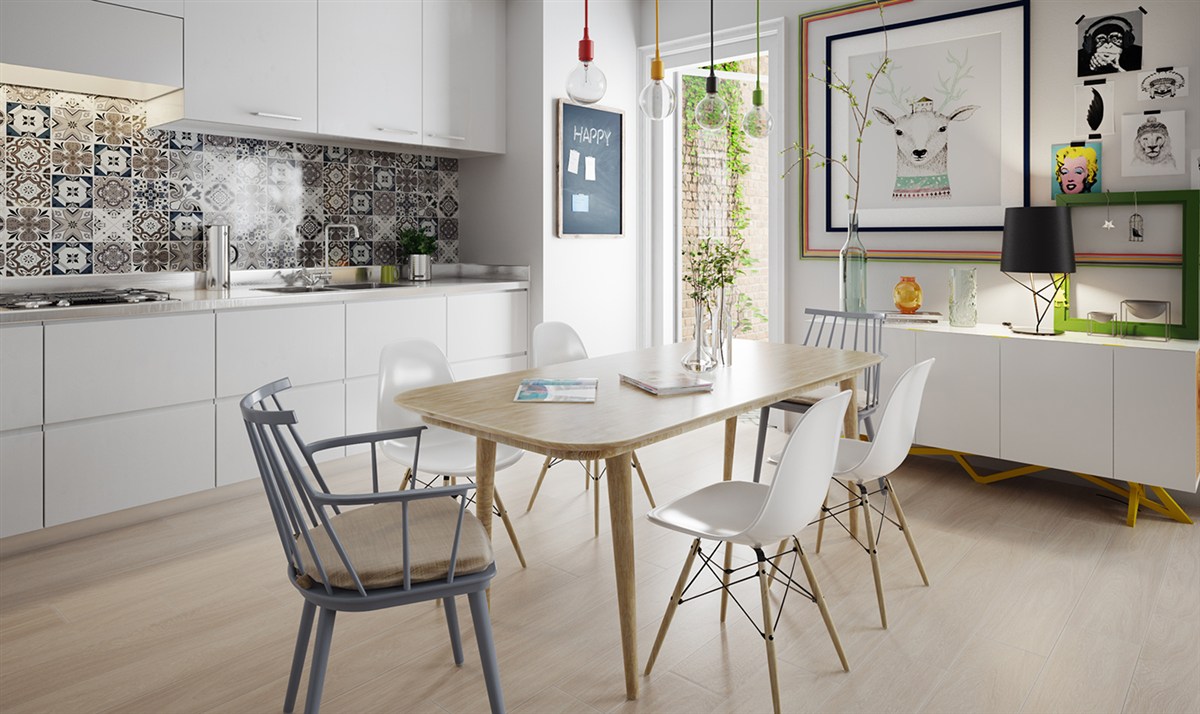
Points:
x=719 y=511
x=816 y=395
x=373 y=537
x=446 y=452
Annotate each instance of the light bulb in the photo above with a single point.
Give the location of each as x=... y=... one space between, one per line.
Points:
x=586 y=84
x=757 y=122
x=712 y=113
x=657 y=100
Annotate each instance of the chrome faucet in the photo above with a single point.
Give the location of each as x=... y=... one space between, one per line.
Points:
x=314 y=279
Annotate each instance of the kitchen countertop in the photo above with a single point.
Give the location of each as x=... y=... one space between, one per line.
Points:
x=248 y=296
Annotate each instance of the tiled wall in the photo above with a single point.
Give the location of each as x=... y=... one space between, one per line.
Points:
x=89 y=189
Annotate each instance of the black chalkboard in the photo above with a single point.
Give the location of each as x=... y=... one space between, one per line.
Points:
x=590 y=171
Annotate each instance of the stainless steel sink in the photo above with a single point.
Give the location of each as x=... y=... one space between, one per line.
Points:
x=292 y=289
x=365 y=286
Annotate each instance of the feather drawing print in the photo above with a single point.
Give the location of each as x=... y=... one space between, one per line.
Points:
x=1095 y=112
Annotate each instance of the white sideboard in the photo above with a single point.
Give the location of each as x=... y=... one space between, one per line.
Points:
x=101 y=414
x=1096 y=405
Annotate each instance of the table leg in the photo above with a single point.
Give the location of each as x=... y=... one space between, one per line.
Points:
x=620 y=512
x=485 y=481
x=726 y=475
x=850 y=431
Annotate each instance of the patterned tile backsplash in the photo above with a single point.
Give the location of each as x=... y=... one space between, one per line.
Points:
x=89 y=189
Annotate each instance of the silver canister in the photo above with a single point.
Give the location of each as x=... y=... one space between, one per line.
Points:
x=419 y=267
x=219 y=257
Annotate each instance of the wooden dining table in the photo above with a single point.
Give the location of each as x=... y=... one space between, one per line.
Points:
x=624 y=418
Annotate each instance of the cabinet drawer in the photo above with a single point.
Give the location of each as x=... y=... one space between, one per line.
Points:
x=103 y=465
x=488 y=367
x=1155 y=406
x=112 y=366
x=21 y=376
x=372 y=325
x=487 y=325
x=305 y=344
x=1057 y=408
x=961 y=406
x=20 y=481
x=320 y=409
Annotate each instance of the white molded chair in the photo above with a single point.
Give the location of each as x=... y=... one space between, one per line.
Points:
x=412 y=364
x=555 y=342
x=860 y=462
x=755 y=514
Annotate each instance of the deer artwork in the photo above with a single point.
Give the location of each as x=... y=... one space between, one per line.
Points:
x=922 y=149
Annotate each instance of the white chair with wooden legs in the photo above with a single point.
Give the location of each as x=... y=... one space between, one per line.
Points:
x=447 y=454
x=860 y=462
x=555 y=342
x=756 y=514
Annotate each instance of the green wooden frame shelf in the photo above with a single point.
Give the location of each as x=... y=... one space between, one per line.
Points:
x=1188 y=326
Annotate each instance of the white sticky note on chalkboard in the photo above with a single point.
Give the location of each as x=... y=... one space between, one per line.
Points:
x=589 y=173
x=573 y=162
x=579 y=202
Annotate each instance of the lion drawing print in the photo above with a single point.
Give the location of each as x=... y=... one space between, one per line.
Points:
x=923 y=148
x=1152 y=146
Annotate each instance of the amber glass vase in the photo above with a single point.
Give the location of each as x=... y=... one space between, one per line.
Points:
x=907 y=295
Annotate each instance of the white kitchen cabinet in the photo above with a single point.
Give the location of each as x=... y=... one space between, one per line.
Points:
x=961 y=406
x=252 y=63
x=362 y=396
x=20 y=481
x=464 y=58
x=1156 y=401
x=97 y=466
x=486 y=325
x=369 y=74
x=305 y=343
x=899 y=347
x=20 y=376
x=489 y=366
x=117 y=365
x=319 y=408
x=91 y=47
x=372 y=325
x=1057 y=409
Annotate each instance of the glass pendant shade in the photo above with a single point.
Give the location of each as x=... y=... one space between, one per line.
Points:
x=712 y=113
x=586 y=84
x=657 y=100
x=757 y=122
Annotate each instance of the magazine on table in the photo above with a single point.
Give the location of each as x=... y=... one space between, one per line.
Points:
x=667 y=383
x=579 y=389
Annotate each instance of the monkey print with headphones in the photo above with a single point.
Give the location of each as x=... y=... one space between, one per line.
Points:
x=1110 y=44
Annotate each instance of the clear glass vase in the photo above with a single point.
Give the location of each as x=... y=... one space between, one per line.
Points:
x=852 y=269
x=962 y=297
x=700 y=358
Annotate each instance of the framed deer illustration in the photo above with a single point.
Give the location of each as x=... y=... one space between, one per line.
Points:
x=948 y=145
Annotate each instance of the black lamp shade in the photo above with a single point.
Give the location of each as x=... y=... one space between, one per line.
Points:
x=1038 y=239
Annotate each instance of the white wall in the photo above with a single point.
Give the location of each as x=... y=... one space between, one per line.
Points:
x=509 y=201
x=1171 y=28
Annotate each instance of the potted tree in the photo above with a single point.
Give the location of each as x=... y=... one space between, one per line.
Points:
x=419 y=247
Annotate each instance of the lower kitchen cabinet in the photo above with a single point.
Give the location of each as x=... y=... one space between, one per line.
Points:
x=320 y=409
x=20 y=481
x=109 y=463
x=370 y=326
x=305 y=343
x=21 y=376
x=487 y=325
x=487 y=367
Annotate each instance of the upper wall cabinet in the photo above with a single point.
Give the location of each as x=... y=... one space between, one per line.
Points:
x=369 y=78
x=463 y=68
x=66 y=45
x=252 y=63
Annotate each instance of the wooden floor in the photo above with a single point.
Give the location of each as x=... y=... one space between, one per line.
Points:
x=1041 y=600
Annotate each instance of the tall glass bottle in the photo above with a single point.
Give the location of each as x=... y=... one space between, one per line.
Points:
x=852 y=269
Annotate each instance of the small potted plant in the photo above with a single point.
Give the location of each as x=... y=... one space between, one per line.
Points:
x=419 y=247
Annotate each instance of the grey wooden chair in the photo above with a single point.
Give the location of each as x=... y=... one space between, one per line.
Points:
x=366 y=551
x=862 y=331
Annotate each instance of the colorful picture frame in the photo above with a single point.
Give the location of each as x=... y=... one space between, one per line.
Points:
x=1075 y=168
x=1188 y=326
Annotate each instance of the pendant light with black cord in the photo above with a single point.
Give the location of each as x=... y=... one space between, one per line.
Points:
x=657 y=99
x=712 y=113
x=586 y=84
x=757 y=122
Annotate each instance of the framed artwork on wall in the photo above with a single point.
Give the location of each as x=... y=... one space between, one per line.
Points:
x=1075 y=168
x=948 y=146
x=590 y=169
